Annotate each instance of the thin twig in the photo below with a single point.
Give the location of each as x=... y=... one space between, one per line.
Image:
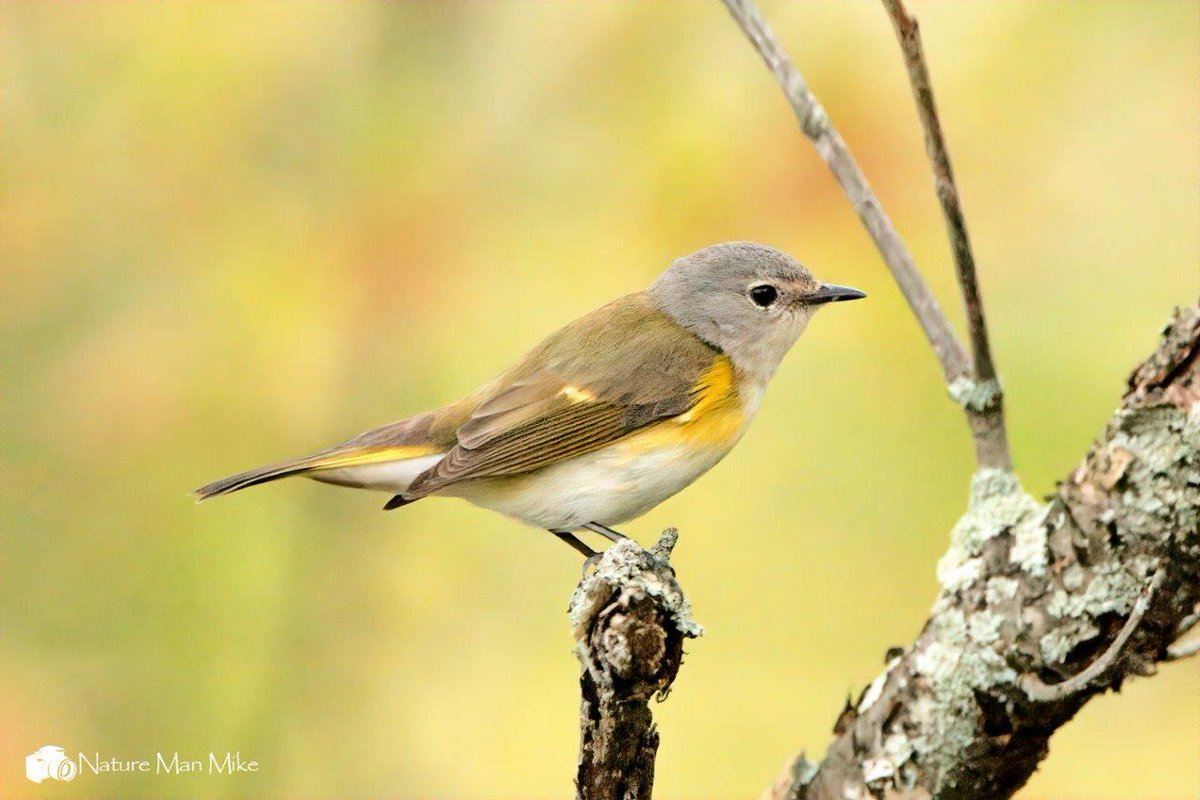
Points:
x=908 y=32
x=816 y=126
x=980 y=398
x=1047 y=693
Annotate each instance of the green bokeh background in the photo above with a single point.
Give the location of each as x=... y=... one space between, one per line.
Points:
x=237 y=232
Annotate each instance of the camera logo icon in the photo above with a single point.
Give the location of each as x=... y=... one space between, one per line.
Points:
x=50 y=761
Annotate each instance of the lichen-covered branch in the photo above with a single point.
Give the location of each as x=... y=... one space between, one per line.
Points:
x=629 y=619
x=1042 y=606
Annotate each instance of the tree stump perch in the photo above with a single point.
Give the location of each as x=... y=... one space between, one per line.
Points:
x=630 y=619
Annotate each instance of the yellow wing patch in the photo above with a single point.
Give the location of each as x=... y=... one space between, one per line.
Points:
x=577 y=395
x=716 y=419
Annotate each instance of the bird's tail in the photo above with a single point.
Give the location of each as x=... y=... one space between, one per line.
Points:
x=253 y=477
x=349 y=457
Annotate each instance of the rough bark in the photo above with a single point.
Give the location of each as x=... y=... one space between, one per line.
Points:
x=629 y=619
x=1042 y=606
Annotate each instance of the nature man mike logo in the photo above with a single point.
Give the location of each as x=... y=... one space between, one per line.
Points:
x=50 y=761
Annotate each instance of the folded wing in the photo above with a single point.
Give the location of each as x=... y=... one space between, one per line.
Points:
x=603 y=377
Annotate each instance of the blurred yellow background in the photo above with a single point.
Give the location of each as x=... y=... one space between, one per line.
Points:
x=239 y=232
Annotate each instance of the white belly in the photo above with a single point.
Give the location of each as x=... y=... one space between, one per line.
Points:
x=609 y=486
x=612 y=485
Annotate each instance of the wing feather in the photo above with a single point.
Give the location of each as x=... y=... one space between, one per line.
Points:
x=603 y=377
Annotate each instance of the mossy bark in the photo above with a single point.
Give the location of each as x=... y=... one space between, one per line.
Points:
x=1042 y=606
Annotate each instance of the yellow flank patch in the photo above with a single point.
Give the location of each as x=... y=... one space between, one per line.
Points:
x=716 y=419
x=373 y=455
x=577 y=395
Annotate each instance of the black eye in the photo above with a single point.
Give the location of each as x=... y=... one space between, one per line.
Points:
x=763 y=295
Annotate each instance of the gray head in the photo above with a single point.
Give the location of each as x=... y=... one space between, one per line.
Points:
x=747 y=299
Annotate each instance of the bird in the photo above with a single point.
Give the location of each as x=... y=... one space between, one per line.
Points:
x=605 y=418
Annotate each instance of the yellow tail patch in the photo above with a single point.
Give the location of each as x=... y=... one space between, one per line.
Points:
x=317 y=463
x=373 y=455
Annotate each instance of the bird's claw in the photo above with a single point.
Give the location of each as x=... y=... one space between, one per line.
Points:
x=593 y=562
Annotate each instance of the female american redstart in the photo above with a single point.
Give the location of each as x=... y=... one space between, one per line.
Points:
x=607 y=417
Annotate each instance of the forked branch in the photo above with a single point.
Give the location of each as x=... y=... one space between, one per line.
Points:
x=988 y=425
x=974 y=386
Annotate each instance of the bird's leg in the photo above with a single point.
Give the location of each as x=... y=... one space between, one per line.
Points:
x=590 y=557
x=574 y=541
x=606 y=532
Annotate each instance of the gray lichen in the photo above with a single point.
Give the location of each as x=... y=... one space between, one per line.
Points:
x=973 y=395
x=1000 y=589
x=626 y=566
x=997 y=504
x=1058 y=643
x=960 y=660
x=1114 y=553
x=1029 y=550
x=963 y=653
x=1148 y=450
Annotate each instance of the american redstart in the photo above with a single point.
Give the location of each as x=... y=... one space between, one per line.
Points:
x=607 y=417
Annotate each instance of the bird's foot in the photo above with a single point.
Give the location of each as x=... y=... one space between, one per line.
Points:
x=591 y=558
x=590 y=563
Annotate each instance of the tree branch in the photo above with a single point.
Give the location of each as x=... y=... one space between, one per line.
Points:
x=630 y=619
x=977 y=390
x=816 y=126
x=1047 y=693
x=991 y=438
x=1042 y=607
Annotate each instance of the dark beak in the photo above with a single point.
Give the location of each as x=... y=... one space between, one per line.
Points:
x=831 y=293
